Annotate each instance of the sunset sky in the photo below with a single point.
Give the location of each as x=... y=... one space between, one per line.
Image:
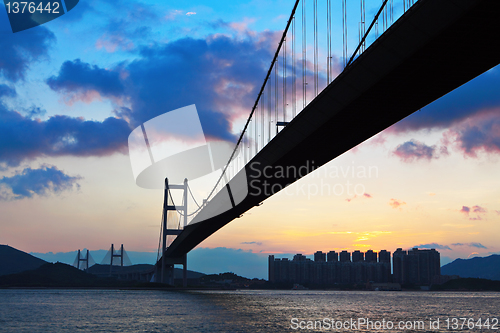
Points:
x=73 y=89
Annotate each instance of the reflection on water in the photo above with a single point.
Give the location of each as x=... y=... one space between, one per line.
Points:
x=227 y=311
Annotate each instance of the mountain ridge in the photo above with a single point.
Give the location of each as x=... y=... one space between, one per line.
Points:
x=14 y=261
x=477 y=267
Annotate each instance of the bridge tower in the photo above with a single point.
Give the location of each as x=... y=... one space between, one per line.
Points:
x=167 y=264
x=85 y=260
x=113 y=255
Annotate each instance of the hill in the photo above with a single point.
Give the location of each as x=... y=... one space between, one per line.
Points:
x=14 y=261
x=57 y=275
x=478 y=267
x=103 y=270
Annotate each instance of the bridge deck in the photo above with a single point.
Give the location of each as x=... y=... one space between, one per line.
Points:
x=432 y=49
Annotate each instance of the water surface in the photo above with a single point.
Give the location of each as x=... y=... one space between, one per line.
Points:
x=233 y=311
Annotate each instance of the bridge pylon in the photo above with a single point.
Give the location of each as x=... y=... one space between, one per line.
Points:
x=80 y=259
x=167 y=264
x=113 y=255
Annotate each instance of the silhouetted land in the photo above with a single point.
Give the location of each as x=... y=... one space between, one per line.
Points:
x=484 y=268
x=14 y=261
x=57 y=275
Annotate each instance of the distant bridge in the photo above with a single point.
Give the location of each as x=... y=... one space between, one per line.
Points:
x=434 y=47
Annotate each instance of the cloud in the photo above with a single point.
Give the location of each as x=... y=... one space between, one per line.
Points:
x=394 y=203
x=475 y=209
x=35 y=112
x=220 y=74
x=477 y=245
x=190 y=13
x=82 y=79
x=241 y=28
x=122 y=35
x=365 y=195
x=249 y=243
x=414 y=150
x=433 y=246
x=42 y=182
x=19 y=50
x=173 y=14
x=465 y=210
x=480 y=133
x=131 y=28
x=478 y=209
x=23 y=138
x=471 y=113
x=112 y=43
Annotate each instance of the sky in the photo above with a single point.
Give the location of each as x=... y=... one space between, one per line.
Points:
x=73 y=89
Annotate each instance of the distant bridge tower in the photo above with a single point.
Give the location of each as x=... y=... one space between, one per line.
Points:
x=167 y=265
x=82 y=262
x=113 y=255
x=80 y=259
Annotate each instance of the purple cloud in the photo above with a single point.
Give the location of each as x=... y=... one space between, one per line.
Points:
x=252 y=243
x=475 y=209
x=42 y=182
x=465 y=210
x=221 y=75
x=433 y=246
x=23 y=138
x=365 y=195
x=414 y=150
x=478 y=133
x=476 y=245
x=478 y=209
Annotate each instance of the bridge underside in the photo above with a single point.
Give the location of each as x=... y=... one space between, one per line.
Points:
x=432 y=49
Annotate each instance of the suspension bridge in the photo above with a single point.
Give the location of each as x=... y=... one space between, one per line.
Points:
x=327 y=91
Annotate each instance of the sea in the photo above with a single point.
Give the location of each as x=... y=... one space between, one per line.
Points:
x=23 y=310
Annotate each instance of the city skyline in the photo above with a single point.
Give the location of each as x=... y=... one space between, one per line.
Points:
x=430 y=180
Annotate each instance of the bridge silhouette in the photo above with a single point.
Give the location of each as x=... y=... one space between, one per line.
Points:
x=433 y=47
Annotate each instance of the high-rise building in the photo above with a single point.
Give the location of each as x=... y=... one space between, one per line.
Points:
x=384 y=256
x=345 y=256
x=270 y=269
x=332 y=256
x=320 y=256
x=370 y=256
x=416 y=266
x=357 y=256
x=398 y=269
x=326 y=269
x=299 y=257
